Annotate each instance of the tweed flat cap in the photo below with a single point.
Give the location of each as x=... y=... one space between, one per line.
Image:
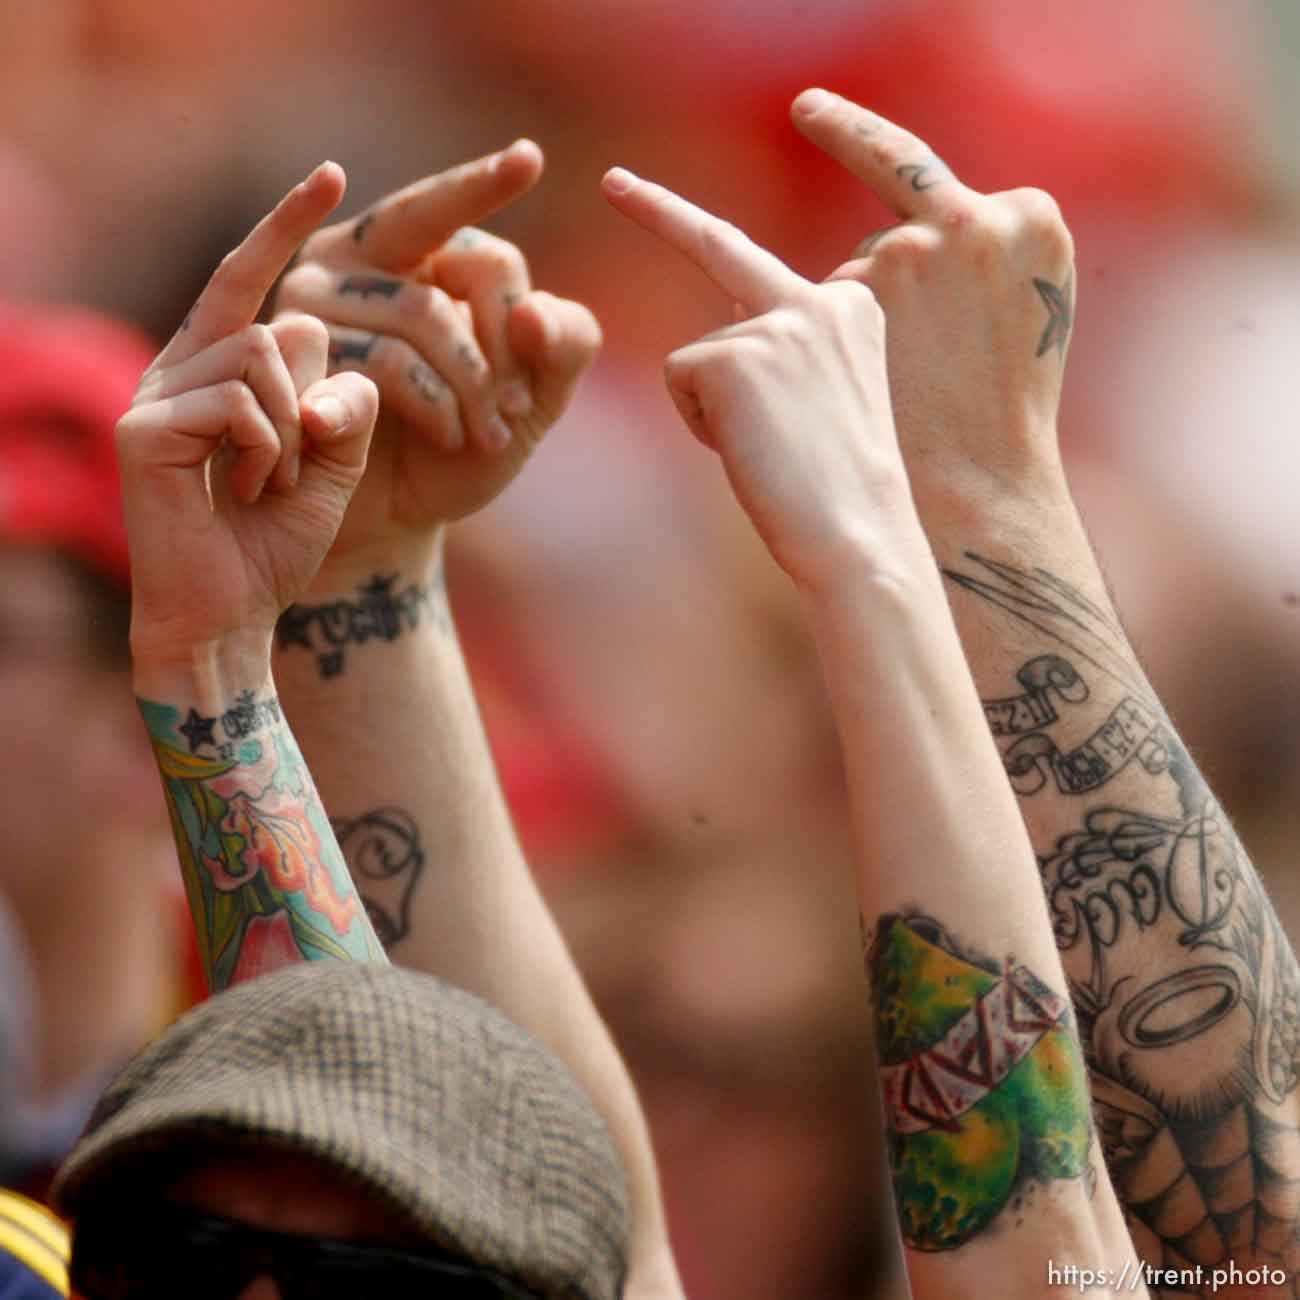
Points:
x=418 y=1092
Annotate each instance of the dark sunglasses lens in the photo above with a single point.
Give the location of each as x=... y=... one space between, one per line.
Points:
x=114 y=1262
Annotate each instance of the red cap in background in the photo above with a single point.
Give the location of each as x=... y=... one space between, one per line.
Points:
x=66 y=377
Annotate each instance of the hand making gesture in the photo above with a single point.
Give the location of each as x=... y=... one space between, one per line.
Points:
x=473 y=364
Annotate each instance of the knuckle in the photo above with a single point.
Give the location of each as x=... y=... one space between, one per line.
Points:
x=424 y=304
x=718 y=235
x=259 y=343
x=239 y=399
x=907 y=246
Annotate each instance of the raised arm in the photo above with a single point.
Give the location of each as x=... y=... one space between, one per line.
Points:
x=474 y=366
x=238 y=458
x=1184 y=985
x=995 y=1172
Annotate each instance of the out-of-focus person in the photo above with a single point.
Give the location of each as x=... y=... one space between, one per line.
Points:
x=93 y=964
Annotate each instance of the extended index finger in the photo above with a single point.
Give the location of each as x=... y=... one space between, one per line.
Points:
x=402 y=229
x=755 y=278
x=233 y=296
x=901 y=168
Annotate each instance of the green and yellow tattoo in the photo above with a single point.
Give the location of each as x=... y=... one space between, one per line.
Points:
x=982 y=1080
x=266 y=882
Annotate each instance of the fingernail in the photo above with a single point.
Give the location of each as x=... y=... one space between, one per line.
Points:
x=295 y=468
x=516 y=399
x=812 y=101
x=331 y=412
x=618 y=180
x=498 y=433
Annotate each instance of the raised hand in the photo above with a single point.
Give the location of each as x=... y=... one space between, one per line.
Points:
x=978 y=291
x=795 y=398
x=472 y=363
x=238 y=454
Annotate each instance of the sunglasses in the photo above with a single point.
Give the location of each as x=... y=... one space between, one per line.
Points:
x=163 y=1251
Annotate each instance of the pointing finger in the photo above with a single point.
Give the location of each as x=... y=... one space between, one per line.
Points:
x=401 y=230
x=233 y=296
x=902 y=170
x=754 y=277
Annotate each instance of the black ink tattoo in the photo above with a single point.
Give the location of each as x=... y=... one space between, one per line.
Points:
x=364 y=286
x=426 y=382
x=1186 y=990
x=1041 y=600
x=245 y=717
x=362 y=226
x=1131 y=731
x=1017 y=714
x=1060 y=315
x=357 y=351
x=379 y=614
x=470 y=359
x=925 y=175
x=383 y=847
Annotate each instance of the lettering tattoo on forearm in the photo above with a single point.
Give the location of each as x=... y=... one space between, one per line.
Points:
x=379 y=613
x=363 y=286
x=1060 y=315
x=386 y=857
x=1186 y=990
x=982 y=1082
x=265 y=880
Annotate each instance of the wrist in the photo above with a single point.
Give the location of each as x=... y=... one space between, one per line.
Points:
x=208 y=674
x=415 y=558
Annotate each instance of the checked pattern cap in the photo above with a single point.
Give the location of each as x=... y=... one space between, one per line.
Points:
x=469 y=1128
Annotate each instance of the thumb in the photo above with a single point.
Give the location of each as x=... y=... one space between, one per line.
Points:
x=338 y=418
x=680 y=378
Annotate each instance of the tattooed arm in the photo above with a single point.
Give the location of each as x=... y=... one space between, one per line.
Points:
x=1184 y=985
x=474 y=366
x=238 y=458
x=997 y=1179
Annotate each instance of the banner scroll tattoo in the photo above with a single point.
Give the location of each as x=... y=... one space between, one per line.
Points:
x=1033 y=710
x=1131 y=731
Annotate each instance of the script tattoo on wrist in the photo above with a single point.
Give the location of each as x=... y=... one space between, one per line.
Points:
x=246 y=716
x=1185 y=987
x=379 y=613
x=982 y=1080
x=265 y=880
x=384 y=853
x=364 y=286
x=1060 y=315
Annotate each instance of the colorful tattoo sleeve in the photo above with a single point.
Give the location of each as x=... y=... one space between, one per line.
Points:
x=982 y=1079
x=266 y=883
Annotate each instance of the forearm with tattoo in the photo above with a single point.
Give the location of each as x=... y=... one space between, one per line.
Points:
x=382 y=611
x=266 y=882
x=1185 y=987
x=982 y=1081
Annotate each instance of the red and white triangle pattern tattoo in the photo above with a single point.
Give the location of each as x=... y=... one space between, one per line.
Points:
x=941 y=1083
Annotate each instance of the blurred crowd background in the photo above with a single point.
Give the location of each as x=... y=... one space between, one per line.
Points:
x=651 y=694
